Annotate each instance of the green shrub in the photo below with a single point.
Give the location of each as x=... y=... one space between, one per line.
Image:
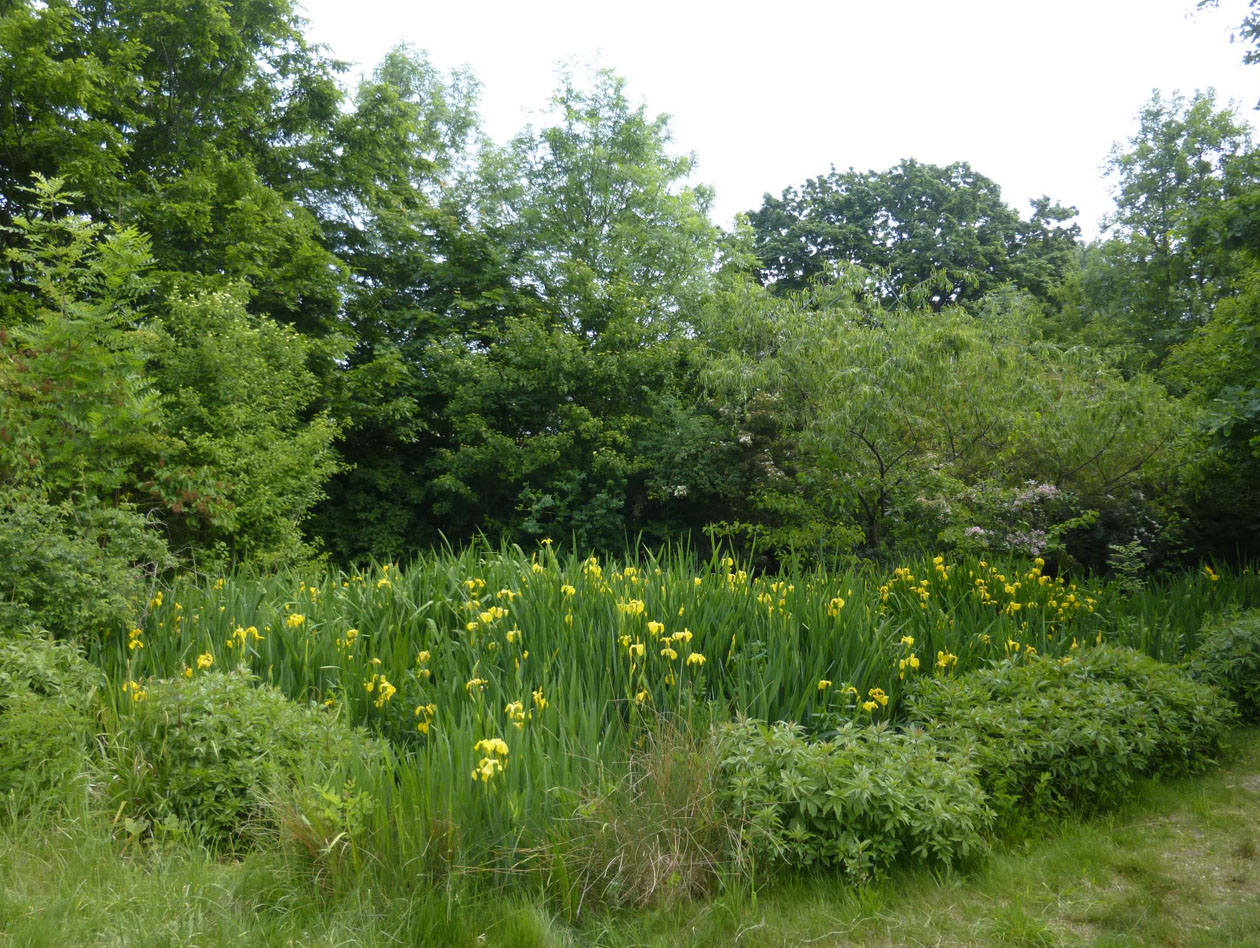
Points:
x=1049 y=735
x=72 y=568
x=218 y=751
x=1228 y=657
x=47 y=719
x=859 y=801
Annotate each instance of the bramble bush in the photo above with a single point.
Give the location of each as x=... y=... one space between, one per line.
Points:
x=1228 y=657
x=1047 y=736
x=859 y=801
x=217 y=751
x=47 y=718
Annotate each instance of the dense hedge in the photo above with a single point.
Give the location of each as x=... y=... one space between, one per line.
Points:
x=1047 y=736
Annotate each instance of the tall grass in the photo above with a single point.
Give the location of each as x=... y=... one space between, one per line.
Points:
x=567 y=661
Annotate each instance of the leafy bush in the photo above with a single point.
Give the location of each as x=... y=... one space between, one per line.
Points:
x=1228 y=657
x=1051 y=735
x=859 y=801
x=218 y=751
x=47 y=718
x=72 y=568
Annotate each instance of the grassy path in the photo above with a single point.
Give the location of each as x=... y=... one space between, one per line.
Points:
x=1179 y=867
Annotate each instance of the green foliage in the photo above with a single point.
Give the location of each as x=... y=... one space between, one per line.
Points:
x=218 y=752
x=1051 y=736
x=860 y=801
x=80 y=570
x=47 y=718
x=912 y=428
x=1228 y=657
x=942 y=232
x=1219 y=368
x=238 y=397
x=1163 y=266
x=77 y=415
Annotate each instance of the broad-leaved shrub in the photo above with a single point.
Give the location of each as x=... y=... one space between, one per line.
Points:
x=859 y=801
x=1051 y=735
x=1228 y=657
x=218 y=751
x=47 y=718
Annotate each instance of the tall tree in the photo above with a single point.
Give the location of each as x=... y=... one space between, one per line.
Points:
x=559 y=419
x=1159 y=271
x=943 y=231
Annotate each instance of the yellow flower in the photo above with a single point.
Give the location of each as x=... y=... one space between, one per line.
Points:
x=641 y=696
x=878 y=695
x=133 y=639
x=513 y=634
x=656 y=628
x=568 y=590
x=868 y=706
x=422 y=657
x=477 y=683
x=539 y=701
x=907 y=641
x=487 y=769
x=470 y=627
x=632 y=607
x=515 y=710
x=683 y=636
x=669 y=653
x=695 y=658
x=824 y=684
x=637 y=650
x=492 y=745
x=538 y=568
x=156 y=600
x=205 y=660
x=295 y=620
x=945 y=659
x=188 y=672
x=383 y=583
x=135 y=690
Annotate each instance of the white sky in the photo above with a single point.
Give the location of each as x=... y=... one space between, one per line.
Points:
x=1032 y=94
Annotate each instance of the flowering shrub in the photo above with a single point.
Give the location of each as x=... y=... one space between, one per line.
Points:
x=1050 y=735
x=217 y=751
x=859 y=801
x=1228 y=657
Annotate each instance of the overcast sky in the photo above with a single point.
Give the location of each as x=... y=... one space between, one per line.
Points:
x=767 y=95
